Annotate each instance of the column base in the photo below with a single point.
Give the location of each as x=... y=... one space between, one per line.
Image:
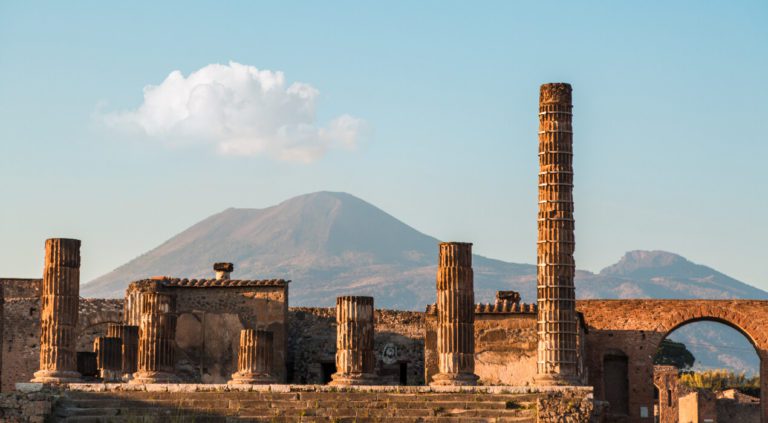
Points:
x=454 y=379
x=556 y=380
x=111 y=376
x=349 y=379
x=144 y=377
x=56 y=376
x=251 y=379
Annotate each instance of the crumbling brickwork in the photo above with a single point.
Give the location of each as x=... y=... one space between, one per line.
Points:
x=635 y=328
x=210 y=315
x=398 y=346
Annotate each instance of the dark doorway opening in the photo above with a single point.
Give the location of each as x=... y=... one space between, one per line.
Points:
x=616 y=382
x=403 y=374
x=327 y=370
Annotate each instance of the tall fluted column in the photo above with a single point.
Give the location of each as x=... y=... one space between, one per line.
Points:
x=556 y=293
x=108 y=358
x=355 y=361
x=58 y=318
x=129 y=337
x=157 y=334
x=254 y=358
x=455 y=316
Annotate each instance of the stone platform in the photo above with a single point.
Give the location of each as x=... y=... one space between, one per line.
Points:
x=82 y=402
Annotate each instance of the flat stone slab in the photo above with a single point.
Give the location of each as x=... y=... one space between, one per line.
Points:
x=197 y=387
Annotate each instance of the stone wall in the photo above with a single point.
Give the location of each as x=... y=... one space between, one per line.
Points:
x=26 y=406
x=21 y=328
x=398 y=345
x=209 y=322
x=733 y=406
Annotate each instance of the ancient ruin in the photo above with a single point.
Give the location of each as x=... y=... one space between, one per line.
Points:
x=556 y=267
x=354 y=342
x=60 y=296
x=254 y=358
x=157 y=334
x=455 y=316
x=221 y=347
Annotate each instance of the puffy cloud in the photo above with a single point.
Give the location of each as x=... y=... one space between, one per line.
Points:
x=242 y=111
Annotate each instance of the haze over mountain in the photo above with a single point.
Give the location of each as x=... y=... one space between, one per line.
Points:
x=331 y=244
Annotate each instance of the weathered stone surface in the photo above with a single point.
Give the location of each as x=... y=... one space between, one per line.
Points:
x=108 y=358
x=355 y=360
x=566 y=406
x=30 y=403
x=557 y=350
x=129 y=341
x=59 y=297
x=254 y=358
x=455 y=316
x=156 y=338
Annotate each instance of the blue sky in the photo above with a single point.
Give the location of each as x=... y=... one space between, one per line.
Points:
x=670 y=122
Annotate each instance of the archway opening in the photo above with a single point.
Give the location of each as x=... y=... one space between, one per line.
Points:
x=616 y=377
x=708 y=368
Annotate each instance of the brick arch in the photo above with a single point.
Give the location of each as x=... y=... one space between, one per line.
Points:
x=638 y=327
x=727 y=316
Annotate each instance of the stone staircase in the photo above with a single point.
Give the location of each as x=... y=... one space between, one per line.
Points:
x=180 y=403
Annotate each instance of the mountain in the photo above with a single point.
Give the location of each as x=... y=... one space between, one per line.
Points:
x=331 y=244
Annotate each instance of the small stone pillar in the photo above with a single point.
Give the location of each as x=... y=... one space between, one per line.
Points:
x=455 y=316
x=108 y=358
x=254 y=358
x=129 y=337
x=223 y=270
x=157 y=334
x=59 y=300
x=355 y=360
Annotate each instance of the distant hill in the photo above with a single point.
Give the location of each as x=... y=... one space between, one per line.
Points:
x=331 y=243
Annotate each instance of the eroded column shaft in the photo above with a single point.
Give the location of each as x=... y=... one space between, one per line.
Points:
x=59 y=300
x=255 y=357
x=129 y=338
x=108 y=357
x=455 y=315
x=557 y=350
x=355 y=360
x=157 y=334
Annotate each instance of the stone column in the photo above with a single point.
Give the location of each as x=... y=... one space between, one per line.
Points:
x=157 y=334
x=59 y=300
x=254 y=358
x=355 y=361
x=455 y=316
x=557 y=350
x=129 y=338
x=108 y=358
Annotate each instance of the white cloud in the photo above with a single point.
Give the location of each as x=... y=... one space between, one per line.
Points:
x=242 y=111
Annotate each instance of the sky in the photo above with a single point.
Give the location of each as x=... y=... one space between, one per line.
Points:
x=124 y=123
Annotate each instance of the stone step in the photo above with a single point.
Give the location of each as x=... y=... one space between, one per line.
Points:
x=289 y=419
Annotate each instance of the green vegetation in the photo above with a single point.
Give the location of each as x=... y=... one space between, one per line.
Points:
x=674 y=354
x=720 y=380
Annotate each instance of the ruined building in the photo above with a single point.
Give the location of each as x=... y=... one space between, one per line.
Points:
x=224 y=347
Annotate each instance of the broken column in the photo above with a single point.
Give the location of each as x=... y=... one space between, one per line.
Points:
x=108 y=358
x=129 y=339
x=157 y=334
x=223 y=270
x=557 y=350
x=455 y=316
x=58 y=318
x=254 y=358
x=355 y=361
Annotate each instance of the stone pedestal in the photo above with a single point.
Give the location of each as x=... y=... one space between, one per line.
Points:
x=108 y=358
x=455 y=316
x=129 y=338
x=355 y=360
x=157 y=334
x=557 y=350
x=59 y=300
x=254 y=358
